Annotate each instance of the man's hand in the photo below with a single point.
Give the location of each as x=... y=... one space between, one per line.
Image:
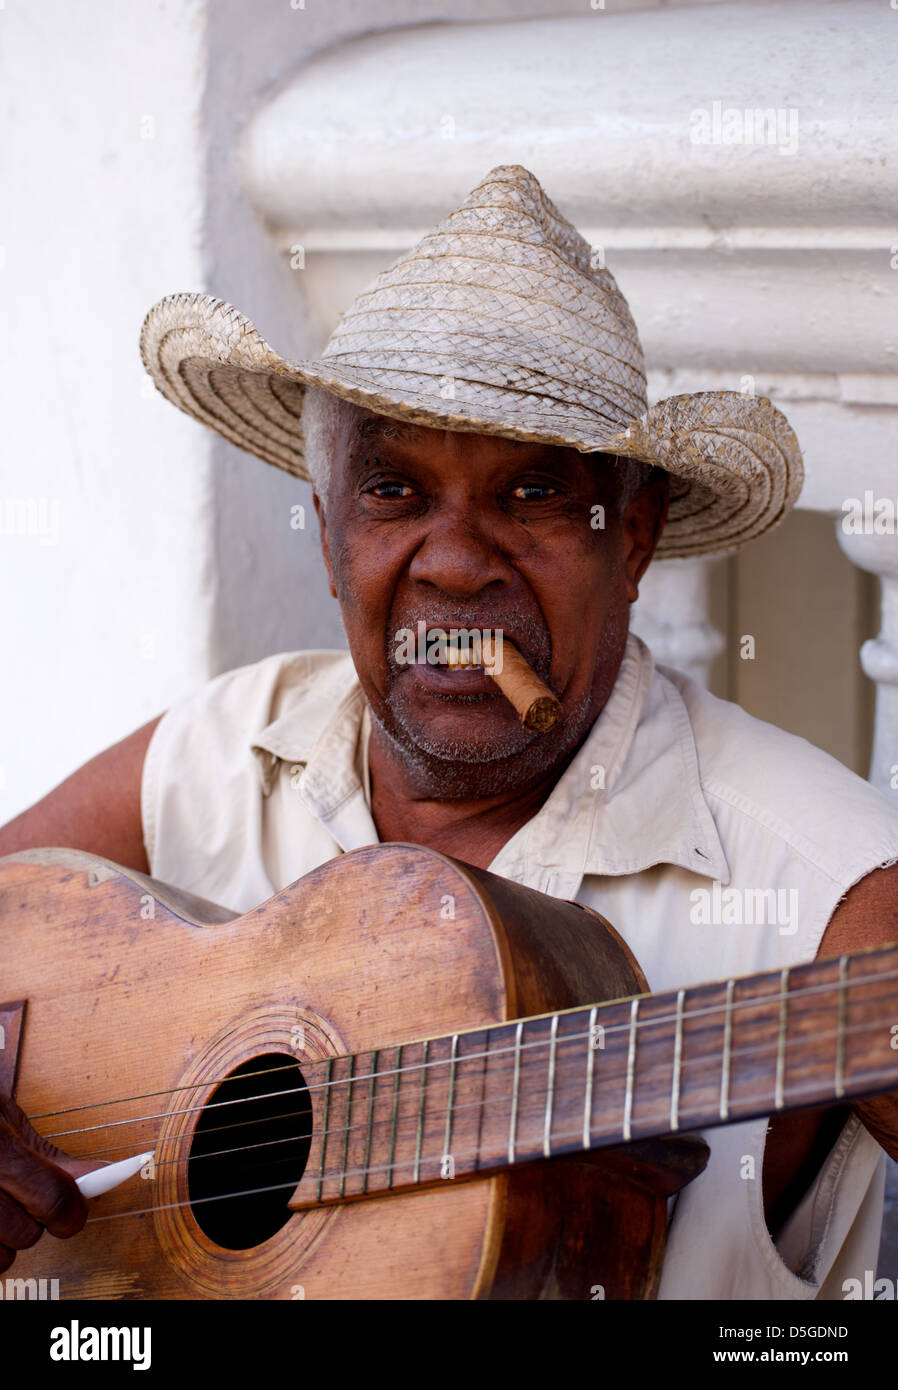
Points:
x=37 y=1186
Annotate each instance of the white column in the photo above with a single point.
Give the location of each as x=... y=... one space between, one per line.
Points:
x=673 y=615
x=879 y=657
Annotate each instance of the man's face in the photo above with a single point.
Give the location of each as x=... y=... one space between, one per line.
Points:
x=473 y=531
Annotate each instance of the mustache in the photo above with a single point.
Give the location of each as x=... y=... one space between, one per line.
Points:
x=529 y=635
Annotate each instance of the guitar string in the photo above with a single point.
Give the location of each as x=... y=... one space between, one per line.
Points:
x=374 y=1169
x=697 y=1059
x=457 y=1106
x=420 y=1067
x=642 y=1023
x=535 y=1100
x=687 y=1015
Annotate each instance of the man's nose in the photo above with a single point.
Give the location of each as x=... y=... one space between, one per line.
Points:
x=459 y=555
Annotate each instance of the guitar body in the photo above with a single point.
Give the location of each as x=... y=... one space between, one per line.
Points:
x=131 y=989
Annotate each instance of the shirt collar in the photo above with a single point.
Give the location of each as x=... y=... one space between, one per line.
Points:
x=318 y=737
x=631 y=798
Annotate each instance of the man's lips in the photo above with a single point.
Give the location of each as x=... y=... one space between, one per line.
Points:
x=524 y=644
x=448 y=680
x=458 y=678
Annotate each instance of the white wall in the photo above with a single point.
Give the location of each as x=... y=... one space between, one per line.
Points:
x=174 y=558
x=139 y=554
x=107 y=616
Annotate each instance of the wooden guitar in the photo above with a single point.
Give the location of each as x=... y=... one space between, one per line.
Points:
x=351 y=1092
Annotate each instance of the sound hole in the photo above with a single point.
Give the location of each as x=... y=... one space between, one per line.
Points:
x=254 y=1133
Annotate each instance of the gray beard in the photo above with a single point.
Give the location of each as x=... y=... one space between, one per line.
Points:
x=449 y=769
x=452 y=770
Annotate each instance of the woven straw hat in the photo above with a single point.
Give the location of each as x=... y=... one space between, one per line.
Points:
x=497 y=322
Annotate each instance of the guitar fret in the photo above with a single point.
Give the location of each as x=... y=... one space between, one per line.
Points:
x=778 y=1097
x=677 y=1063
x=420 y=1113
x=515 y=1090
x=590 y=1068
x=367 y=1162
x=327 y=1106
x=550 y=1097
x=840 y=1039
x=351 y=1060
x=631 y=1070
x=554 y=1093
x=727 y=1051
x=447 y=1137
x=396 y=1075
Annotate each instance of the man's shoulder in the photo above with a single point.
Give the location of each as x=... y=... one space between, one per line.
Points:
x=271 y=685
x=218 y=723
x=784 y=784
x=200 y=776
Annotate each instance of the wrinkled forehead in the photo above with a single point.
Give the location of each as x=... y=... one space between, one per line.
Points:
x=367 y=430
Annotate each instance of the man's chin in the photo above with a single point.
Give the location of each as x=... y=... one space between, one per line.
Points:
x=468 y=751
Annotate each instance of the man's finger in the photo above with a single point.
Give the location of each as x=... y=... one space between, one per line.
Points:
x=45 y=1191
x=20 y=1124
x=18 y=1230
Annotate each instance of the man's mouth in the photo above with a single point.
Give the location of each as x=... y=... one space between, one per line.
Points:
x=457 y=667
x=450 y=659
x=467 y=665
x=441 y=678
x=458 y=656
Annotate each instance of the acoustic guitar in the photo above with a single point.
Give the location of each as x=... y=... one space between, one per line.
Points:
x=401 y=1077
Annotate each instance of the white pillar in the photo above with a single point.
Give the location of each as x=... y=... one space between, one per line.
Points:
x=879 y=656
x=673 y=615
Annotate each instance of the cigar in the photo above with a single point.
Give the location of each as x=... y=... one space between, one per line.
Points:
x=519 y=683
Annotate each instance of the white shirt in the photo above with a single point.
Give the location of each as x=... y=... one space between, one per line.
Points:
x=674 y=799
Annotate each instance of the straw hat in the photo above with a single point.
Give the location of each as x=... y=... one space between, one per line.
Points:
x=497 y=322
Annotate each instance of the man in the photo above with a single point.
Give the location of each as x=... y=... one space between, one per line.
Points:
x=482 y=458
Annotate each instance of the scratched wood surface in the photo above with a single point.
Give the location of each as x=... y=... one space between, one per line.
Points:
x=128 y=997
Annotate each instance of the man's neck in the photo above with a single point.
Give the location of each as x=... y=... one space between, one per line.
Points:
x=471 y=810
x=473 y=831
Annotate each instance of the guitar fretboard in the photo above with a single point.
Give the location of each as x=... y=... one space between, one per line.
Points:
x=478 y=1101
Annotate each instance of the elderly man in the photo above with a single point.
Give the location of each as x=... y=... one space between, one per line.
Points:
x=482 y=458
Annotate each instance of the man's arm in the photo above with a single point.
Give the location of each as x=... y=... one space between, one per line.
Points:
x=97 y=809
x=866 y=917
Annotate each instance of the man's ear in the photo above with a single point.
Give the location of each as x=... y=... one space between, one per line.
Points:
x=643 y=522
x=325 y=546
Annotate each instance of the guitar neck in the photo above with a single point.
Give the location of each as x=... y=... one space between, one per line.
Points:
x=586 y=1078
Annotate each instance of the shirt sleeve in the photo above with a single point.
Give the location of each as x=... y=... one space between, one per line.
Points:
x=200 y=789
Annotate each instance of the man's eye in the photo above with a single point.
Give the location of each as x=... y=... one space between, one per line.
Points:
x=533 y=492
x=389 y=491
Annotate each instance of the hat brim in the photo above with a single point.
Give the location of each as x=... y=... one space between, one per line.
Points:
x=734 y=461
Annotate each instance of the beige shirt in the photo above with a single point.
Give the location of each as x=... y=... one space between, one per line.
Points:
x=674 y=799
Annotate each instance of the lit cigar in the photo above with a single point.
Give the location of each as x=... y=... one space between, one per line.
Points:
x=515 y=677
